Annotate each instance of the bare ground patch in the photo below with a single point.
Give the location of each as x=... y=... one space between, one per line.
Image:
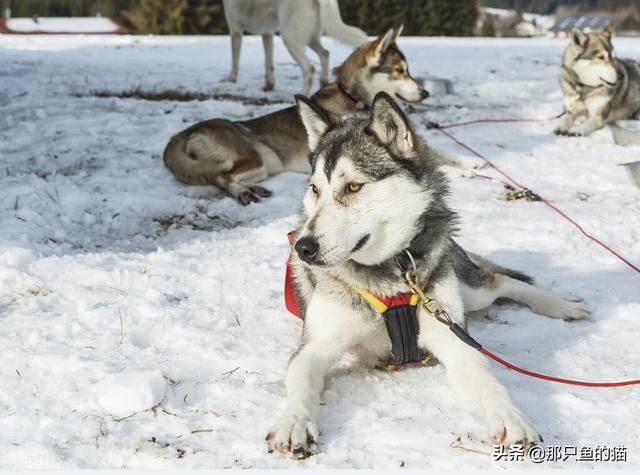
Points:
x=178 y=95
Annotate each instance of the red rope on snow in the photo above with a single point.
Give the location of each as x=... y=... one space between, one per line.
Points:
x=572 y=382
x=544 y=200
x=494 y=121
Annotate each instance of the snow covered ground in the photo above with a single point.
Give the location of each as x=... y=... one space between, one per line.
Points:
x=142 y=322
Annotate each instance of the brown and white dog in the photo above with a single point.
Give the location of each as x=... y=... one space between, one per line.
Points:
x=236 y=156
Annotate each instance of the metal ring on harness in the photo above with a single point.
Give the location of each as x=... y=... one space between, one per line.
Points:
x=413 y=262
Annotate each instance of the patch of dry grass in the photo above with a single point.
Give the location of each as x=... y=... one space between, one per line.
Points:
x=176 y=95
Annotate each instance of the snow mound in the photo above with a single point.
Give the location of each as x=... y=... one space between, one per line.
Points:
x=127 y=393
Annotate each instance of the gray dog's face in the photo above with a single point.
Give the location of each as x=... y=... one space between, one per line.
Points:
x=591 y=57
x=362 y=202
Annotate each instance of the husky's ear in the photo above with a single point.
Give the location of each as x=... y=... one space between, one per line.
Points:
x=397 y=31
x=391 y=127
x=314 y=120
x=383 y=42
x=608 y=31
x=578 y=37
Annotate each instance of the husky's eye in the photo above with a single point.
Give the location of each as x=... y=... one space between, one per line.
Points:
x=399 y=70
x=314 y=188
x=602 y=57
x=353 y=187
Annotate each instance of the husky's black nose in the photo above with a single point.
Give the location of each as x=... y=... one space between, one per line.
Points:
x=307 y=249
x=424 y=94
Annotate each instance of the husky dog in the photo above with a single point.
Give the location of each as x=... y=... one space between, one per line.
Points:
x=300 y=22
x=376 y=192
x=596 y=84
x=237 y=155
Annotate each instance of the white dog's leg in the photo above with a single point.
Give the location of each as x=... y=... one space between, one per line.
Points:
x=541 y=301
x=297 y=50
x=468 y=372
x=236 y=44
x=296 y=430
x=585 y=128
x=573 y=110
x=316 y=45
x=597 y=108
x=329 y=330
x=267 y=42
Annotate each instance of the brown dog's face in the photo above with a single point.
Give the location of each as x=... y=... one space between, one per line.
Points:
x=380 y=66
x=591 y=57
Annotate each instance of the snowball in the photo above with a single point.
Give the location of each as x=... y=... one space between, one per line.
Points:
x=126 y=393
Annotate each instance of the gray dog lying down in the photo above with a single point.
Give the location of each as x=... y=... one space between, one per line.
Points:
x=597 y=86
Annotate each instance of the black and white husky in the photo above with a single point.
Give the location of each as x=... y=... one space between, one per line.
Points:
x=376 y=193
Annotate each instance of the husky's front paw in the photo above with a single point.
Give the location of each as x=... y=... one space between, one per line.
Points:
x=508 y=426
x=584 y=129
x=561 y=130
x=293 y=434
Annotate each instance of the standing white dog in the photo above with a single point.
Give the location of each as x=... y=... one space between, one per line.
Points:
x=300 y=22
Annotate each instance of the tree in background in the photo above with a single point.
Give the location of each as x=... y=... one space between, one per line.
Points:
x=487 y=28
x=420 y=17
x=160 y=17
x=176 y=17
x=549 y=7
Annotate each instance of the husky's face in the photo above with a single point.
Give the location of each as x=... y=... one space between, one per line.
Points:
x=591 y=57
x=364 y=200
x=381 y=67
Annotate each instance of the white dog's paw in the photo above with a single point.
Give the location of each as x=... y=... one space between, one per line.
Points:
x=229 y=78
x=571 y=308
x=293 y=434
x=508 y=426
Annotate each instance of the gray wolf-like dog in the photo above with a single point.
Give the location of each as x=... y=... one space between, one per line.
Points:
x=375 y=193
x=300 y=22
x=235 y=156
x=596 y=85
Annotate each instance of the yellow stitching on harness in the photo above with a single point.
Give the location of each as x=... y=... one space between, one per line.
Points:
x=380 y=307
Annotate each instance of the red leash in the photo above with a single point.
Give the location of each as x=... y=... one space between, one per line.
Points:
x=494 y=121
x=480 y=348
x=544 y=200
x=572 y=382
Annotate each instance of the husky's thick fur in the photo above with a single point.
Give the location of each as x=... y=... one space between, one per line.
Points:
x=301 y=23
x=376 y=191
x=596 y=85
x=237 y=155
